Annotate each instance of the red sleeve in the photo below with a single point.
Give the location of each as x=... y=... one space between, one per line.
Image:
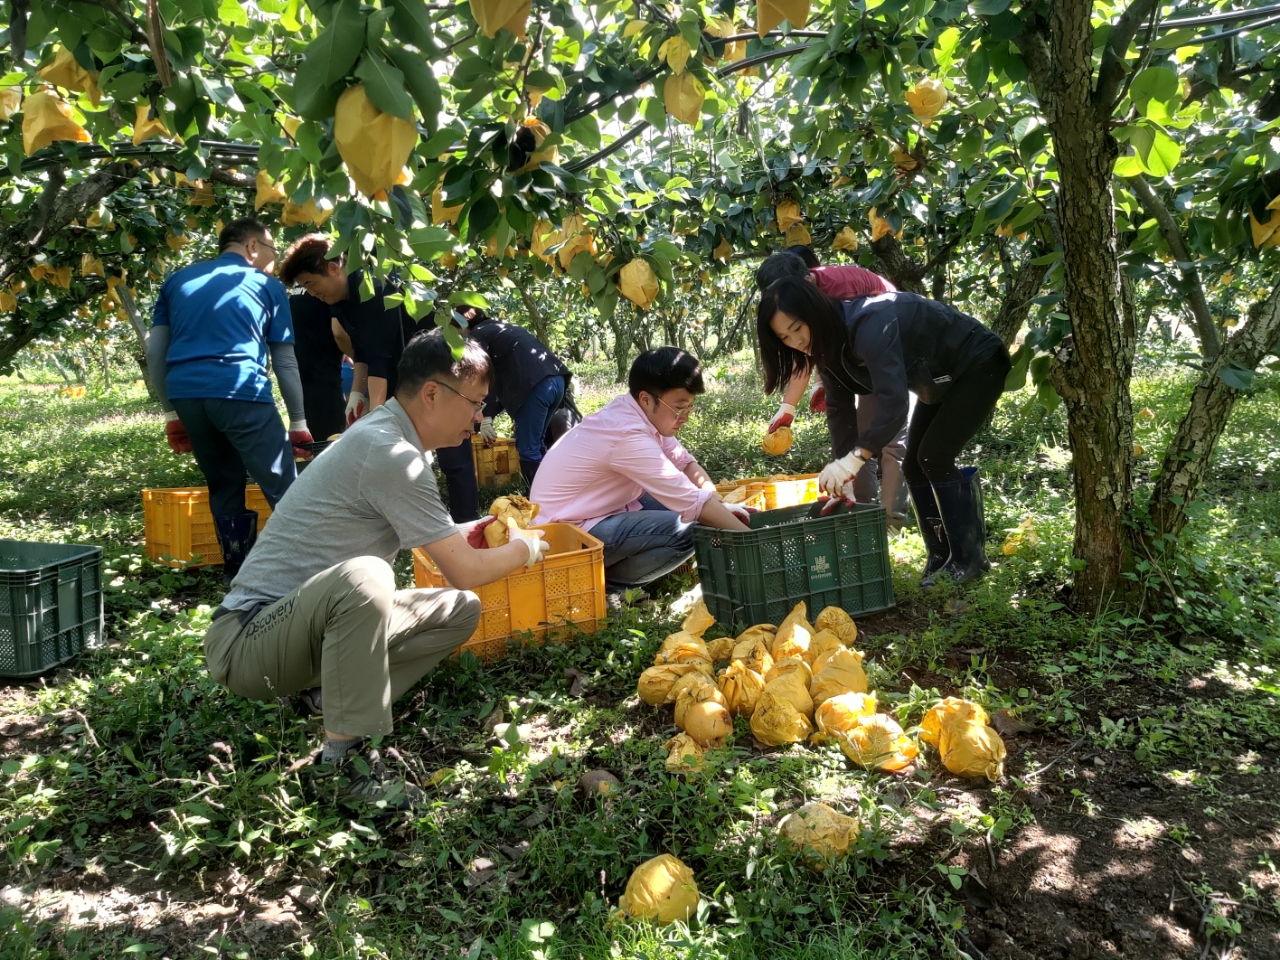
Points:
x=849 y=282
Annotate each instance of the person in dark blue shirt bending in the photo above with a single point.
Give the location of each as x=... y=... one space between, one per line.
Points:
x=212 y=328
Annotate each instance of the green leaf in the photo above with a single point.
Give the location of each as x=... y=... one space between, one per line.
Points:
x=232 y=12
x=989 y=8
x=340 y=45
x=1158 y=152
x=1017 y=378
x=411 y=21
x=385 y=85
x=421 y=84
x=1153 y=83
x=1236 y=375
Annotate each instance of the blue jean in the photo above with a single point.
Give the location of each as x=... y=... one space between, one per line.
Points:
x=230 y=437
x=643 y=545
x=534 y=417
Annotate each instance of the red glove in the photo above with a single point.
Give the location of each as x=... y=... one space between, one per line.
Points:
x=783 y=418
x=833 y=503
x=176 y=434
x=475 y=536
x=298 y=436
x=818 y=399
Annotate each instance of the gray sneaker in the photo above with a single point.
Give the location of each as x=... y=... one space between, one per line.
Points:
x=363 y=782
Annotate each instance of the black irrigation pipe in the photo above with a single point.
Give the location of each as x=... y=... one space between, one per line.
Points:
x=1230 y=16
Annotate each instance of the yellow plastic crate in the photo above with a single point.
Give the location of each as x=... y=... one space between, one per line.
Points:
x=565 y=587
x=178 y=524
x=497 y=465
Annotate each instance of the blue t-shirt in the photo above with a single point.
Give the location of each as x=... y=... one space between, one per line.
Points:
x=221 y=315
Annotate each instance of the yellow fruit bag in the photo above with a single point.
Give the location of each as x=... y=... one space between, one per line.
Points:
x=777 y=443
x=818 y=834
x=776 y=721
x=662 y=890
x=654 y=685
x=946 y=711
x=838 y=672
x=741 y=687
x=684 y=755
x=970 y=748
x=839 y=623
x=877 y=742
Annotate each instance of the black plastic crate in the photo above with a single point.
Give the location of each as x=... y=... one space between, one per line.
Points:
x=50 y=604
x=758 y=575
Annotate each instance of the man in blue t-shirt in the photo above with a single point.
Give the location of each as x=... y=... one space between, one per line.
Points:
x=212 y=328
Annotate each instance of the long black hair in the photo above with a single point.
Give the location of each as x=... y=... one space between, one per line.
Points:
x=803 y=301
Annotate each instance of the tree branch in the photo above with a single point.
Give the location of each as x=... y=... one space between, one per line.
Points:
x=1035 y=52
x=38 y=224
x=1205 y=327
x=1112 y=72
x=136 y=33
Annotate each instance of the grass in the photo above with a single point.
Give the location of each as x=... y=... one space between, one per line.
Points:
x=146 y=773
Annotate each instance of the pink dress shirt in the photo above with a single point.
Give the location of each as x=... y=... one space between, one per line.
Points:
x=601 y=467
x=847 y=282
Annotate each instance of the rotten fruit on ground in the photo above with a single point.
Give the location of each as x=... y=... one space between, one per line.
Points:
x=600 y=783
x=818 y=833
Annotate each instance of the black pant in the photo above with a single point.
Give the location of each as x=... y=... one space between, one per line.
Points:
x=939 y=431
x=459 y=469
x=324 y=407
x=232 y=436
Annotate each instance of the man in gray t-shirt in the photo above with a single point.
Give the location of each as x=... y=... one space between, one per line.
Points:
x=315 y=611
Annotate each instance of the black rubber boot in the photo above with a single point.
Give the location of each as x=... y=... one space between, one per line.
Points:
x=960 y=503
x=236 y=535
x=530 y=470
x=936 y=544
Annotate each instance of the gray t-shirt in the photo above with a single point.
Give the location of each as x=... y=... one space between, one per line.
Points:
x=370 y=494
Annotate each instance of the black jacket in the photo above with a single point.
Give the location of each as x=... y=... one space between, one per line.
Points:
x=520 y=362
x=378 y=335
x=898 y=343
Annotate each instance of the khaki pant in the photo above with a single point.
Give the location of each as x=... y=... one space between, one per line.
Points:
x=351 y=633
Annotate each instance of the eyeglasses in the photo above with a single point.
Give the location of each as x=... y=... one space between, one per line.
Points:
x=477 y=404
x=682 y=413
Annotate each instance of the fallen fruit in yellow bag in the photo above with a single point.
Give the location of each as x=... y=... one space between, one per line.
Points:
x=654 y=685
x=776 y=721
x=698 y=620
x=516 y=508
x=877 y=742
x=823 y=643
x=684 y=755
x=837 y=716
x=792 y=686
x=836 y=673
x=681 y=646
x=754 y=653
x=777 y=443
x=945 y=712
x=708 y=723
x=754 y=634
x=793 y=636
x=693 y=688
x=839 y=623
x=741 y=687
x=721 y=649
x=662 y=889
x=819 y=834
x=970 y=748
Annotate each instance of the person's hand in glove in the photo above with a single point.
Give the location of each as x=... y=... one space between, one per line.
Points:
x=474 y=532
x=538 y=548
x=818 y=399
x=176 y=433
x=357 y=403
x=300 y=437
x=837 y=473
x=741 y=511
x=488 y=432
x=785 y=416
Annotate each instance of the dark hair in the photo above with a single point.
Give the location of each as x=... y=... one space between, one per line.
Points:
x=663 y=369
x=241 y=231
x=806 y=254
x=784 y=263
x=803 y=301
x=309 y=254
x=429 y=356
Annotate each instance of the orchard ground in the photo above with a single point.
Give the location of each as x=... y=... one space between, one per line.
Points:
x=144 y=810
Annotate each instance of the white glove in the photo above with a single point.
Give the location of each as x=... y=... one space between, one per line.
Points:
x=357 y=403
x=785 y=416
x=538 y=548
x=740 y=511
x=488 y=432
x=836 y=474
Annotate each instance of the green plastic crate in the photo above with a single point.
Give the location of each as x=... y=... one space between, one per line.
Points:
x=758 y=575
x=50 y=604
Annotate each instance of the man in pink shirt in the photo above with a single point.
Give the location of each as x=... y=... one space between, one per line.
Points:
x=622 y=475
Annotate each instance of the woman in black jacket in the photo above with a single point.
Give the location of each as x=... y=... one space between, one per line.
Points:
x=888 y=345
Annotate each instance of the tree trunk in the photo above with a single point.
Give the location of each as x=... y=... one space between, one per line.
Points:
x=1096 y=366
x=892 y=262
x=537 y=321
x=14 y=340
x=1007 y=324
x=1187 y=460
